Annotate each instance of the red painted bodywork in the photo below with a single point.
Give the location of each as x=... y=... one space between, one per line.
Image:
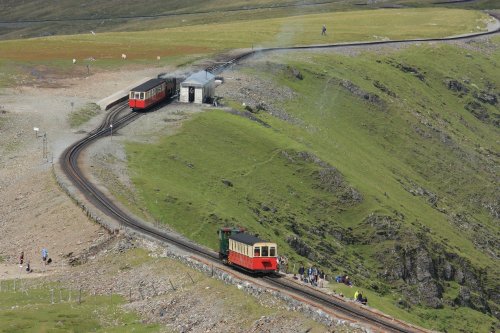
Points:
x=169 y=88
x=144 y=104
x=257 y=264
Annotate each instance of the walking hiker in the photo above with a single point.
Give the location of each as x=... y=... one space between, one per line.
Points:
x=45 y=254
x=21 y=259
x=323 y=30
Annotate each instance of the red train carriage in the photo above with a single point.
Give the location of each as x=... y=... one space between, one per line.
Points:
x=247 y=251
x=151 y=92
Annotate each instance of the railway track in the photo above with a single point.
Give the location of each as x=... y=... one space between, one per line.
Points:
x=222 y=65
x=120 y=116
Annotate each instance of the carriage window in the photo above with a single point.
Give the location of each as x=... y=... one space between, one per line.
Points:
x=272 y=251
x=131 y=96
x=137 y=95
x=256 y=252
x=142 y=95
x=265 y=251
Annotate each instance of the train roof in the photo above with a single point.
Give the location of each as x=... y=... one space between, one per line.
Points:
x=198 y=79
x=148 y=85
x=246 y=239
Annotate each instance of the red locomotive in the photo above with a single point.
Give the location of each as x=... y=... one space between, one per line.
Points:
x=151 y=92
x=246 y=251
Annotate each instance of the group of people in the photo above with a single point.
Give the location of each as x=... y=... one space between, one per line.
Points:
x=344 y=279
x=358 y=297
x=283 y=264
x=45 y=258
x=312 y=275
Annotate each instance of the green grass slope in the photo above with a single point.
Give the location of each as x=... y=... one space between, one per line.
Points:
x=44 y=18
x=384 y=168
x=31 y=61
x=51 y=309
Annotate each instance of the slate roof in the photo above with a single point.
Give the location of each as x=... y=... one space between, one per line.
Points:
x=198 y=79
x=148 y=85
x=246 y=239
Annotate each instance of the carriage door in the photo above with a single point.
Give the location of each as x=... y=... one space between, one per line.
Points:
x=191 y=94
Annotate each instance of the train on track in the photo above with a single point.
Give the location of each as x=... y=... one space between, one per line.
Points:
x=151 y=92
x=247 y=252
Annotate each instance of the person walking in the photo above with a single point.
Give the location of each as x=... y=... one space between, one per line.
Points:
x=21 y=259
x=323 y=30
x=45 y=254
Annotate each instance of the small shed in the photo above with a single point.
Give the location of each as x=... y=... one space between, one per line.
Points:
x=198 y=88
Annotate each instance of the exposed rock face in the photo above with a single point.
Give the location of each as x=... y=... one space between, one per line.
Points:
x=456 y=86
x=357 y=91
x=472 y=300
x=299 y=246
x=486 y=97
x=383 y=88
x=424 y=270
x=327 y=178
x=386 y=227
x=408 y=69
x=478 y=110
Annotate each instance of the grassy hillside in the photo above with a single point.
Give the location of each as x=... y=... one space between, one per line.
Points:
x=28 y=61
x=45 y=18
x=381 y=166
x=51 y=309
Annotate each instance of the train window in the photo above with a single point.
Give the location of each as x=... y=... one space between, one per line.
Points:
x=131 y=95
x=265 y=251
x=142 y=95
x=272 y=251
x=256 y=252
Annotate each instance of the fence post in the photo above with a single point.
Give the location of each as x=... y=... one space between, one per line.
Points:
x=171 y=284
x=80 y=296
x=140 y=292
x=60 y=295
x=14 y=285
x=51 y=296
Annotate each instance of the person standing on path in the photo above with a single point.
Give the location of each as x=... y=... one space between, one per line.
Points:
x=21 y=259
x=45 y=254
x=323 y=30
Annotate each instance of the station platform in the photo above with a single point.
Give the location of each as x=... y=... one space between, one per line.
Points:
x=119 y=96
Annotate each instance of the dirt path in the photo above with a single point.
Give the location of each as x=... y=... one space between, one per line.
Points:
x=34 y=212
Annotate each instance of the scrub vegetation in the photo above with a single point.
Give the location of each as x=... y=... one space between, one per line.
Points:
x=381 y=166
x=48 y=308
x=84 y=114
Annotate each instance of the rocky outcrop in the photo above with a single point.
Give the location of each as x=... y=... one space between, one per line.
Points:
x=425 y=266
x=300 y=246
x=456 y=86
x=477 y=110
x=485 y=97
x=472 y=300
x=357 y=91
x=327 y=177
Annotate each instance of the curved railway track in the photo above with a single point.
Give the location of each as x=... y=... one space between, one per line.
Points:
x=120 y=116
